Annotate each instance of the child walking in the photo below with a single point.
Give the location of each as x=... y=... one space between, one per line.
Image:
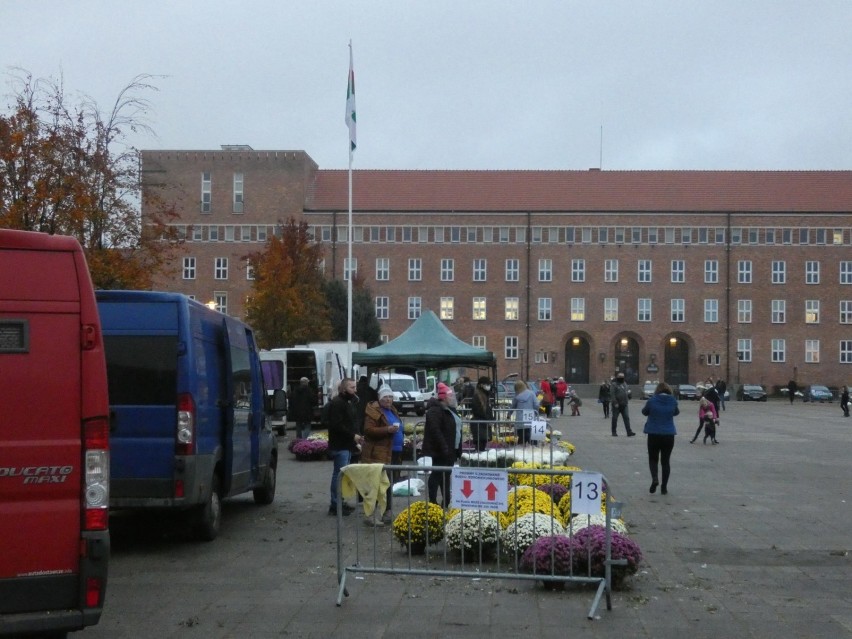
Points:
x=708 y=419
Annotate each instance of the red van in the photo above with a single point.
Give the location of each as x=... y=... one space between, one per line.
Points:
x=54 y=429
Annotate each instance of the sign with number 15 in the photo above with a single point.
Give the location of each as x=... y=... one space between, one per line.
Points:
x=586 y=492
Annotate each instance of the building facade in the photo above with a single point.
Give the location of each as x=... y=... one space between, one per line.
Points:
x=672 y=275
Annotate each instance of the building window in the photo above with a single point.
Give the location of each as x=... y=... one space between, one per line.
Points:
x=382 y=308
x=513 y=270
x=744 y=311
x=478 y=341
x=636 y=235
x=811 y=272
x=245 y=233
x=545 y=270
x=711 y=311
x=779 y=311
x=229 y=233
x=769 y=236
x=220 y=301
x=653 y=235
x=753 y=236
x=512 y=311
x=811 y=311
x=586 y=234
x=644 y=271
x=603 y=235
x=643 y=309
x=197 y=233
x=446 y=308
x=678 y=310
x=414 y=306
x=422 y=234
x=779 y=272
x=553 y=234
x=545 y=309
x=669 y=235
x=846 y=272
x=846 y=351
x=744 y=350
x=744 y=271
x=578 y=309
x=611 y=271
x=238 y=192
x=736 y=235
x=206 y=192
x=382 y=269
x=350 y=268
x=804 y=236
x=610 y=309
x=837 y=236
x=536 y=235
x=415 y=269
x=479 y=270
x=407 y=234
x=487 y=237
x=570 y=233
x=213 y=233
x=439 y=234
x=678 y=271
x=510 y=347
x=455 y=234
x=578 y=270
x=846 y=311
x=220 y=271
x=720 y=235
x=479 y=308
x=390 y=234
x=779 y=350
x=812 y=351
x=686 y=235
x=619 y=235
x=249 y=270
x=503 y=234
x=448 y=266
x=711 y=271
x=189 y=268
x=374 y=233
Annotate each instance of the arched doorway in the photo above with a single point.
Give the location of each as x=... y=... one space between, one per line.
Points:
x=627 y=358
x=676 y=360
x=577 y=360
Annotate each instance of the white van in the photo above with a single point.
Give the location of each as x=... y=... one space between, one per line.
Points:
x=408 y=396
x=284 y=367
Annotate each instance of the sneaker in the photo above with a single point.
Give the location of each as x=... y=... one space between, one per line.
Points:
x=347 y=510
x=374 y=523
x=387 y=518
x=631 y=434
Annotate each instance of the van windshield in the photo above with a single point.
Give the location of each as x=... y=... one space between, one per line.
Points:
x=403 y=385
x=141 y=369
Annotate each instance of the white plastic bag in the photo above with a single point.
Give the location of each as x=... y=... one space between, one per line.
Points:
x=424 y=461
x=412 y=487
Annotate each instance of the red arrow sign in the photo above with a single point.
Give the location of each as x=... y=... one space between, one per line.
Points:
x=467 y=490
x=491 y=491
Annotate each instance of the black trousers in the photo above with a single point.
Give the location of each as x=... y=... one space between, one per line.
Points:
x=659 y=453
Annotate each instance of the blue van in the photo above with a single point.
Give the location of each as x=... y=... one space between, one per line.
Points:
x=188 y=409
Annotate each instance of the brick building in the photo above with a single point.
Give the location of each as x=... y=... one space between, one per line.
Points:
x=675 y=275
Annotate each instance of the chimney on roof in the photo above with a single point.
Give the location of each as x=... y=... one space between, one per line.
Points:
x=236 y=147
x=594 y=168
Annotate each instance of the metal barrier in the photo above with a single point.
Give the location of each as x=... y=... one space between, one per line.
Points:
x=377 y=550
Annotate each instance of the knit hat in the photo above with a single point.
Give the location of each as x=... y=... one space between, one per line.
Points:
x=443 y=390
x=384 y=391
x=484 y=380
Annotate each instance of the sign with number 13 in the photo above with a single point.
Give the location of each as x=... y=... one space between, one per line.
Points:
x=586 y=493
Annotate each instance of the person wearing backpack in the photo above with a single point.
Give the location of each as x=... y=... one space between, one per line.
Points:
x=343 y=436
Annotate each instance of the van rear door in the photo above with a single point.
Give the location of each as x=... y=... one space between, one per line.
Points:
x=241 y=444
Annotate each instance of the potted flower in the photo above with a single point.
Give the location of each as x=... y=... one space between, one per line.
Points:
x=520 y=534
x=310 y=449
x=472 y=533
x=550 y=555
x=523 y=500
x=419 y=525
x=591 y=554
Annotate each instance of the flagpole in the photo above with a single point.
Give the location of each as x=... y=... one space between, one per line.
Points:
x=350 y=115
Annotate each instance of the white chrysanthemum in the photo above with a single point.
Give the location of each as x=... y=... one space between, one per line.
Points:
x=582 y=521
x=520 y=534
x=472 y=529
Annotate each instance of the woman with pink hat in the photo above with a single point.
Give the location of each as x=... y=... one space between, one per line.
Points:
x=441 y=440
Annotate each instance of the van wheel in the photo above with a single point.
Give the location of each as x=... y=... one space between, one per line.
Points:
x=265 y=493
x=209 y=517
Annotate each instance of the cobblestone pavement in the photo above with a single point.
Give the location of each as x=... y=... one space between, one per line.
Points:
x=751 y=541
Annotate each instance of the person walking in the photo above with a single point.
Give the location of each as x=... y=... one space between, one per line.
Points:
x=561 y=394
x=575 y=402
x=604 y=397
x=301 y=407
x=844 y=400
x=712 y=395
x=524 y=400
x=660 y=409
x=343 y=437
x=381 y=425
x=792 y=387
x=620 y=400
x=707 y=416
x=482 y=414
x=546 y=397
x=441 y=441
x=721 y=389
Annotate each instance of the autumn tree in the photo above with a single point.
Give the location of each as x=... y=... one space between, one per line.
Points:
x=287 y=303
x=365 y=326
x=67 y=169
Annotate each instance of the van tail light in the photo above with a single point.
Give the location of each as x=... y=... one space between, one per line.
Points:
x=94 y=589
x=96 y=469
x=185 y=436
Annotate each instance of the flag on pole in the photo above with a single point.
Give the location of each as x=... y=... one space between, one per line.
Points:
x=350 y=103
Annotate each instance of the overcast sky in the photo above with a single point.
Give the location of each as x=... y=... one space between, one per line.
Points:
x=467 y=84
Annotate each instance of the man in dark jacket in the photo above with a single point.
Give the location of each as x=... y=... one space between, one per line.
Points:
x=482 y=413
x=619 y=405
x=343 y=436
x=441 y=441
x=301 y=407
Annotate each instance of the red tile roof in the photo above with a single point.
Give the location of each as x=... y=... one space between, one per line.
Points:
x=758 y=191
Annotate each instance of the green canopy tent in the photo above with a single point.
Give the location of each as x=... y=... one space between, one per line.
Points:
x=427 y=343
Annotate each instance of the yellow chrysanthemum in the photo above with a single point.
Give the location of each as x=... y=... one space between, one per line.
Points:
x=412 y=524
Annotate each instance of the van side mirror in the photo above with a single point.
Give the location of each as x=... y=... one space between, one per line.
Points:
x=277 y=402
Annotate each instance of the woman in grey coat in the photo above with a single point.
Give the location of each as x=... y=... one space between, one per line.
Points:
x=524 y=400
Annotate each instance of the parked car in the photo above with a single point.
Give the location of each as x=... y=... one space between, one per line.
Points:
x=505 y=392
x=648 y=389
x=751 y=393
x=688 y=391
x=819 y=393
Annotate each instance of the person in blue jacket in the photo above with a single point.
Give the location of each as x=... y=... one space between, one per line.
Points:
x=660 y=409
